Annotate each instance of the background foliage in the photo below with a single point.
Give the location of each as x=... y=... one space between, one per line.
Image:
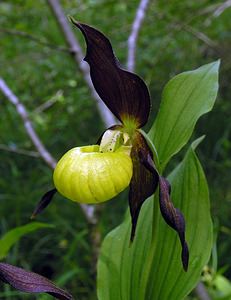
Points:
x=174 y=38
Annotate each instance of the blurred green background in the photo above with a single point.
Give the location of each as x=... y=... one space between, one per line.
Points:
x=176 y=36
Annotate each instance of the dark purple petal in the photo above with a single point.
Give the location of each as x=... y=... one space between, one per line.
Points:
x=44 y=202
x=173 y=217
x=125 y=94
x=144 y=180
x=30 y=282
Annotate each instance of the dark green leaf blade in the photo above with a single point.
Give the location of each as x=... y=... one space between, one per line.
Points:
x=12 y=236
x=185 y=98
x=151 y=268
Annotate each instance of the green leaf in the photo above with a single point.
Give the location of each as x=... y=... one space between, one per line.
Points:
x=150 y=268
x=12 y=236
x=185 y=98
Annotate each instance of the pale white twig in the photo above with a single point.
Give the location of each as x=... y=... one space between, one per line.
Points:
x=34 y=38
x=19 y=151
x=132 y=40
x=222 y=8
x=201 y=36
x=49 y=102
x=27 y=124
x=88 y=210
x=77 y=52
x=216 y=10
x=73 y=43
x=198 y=34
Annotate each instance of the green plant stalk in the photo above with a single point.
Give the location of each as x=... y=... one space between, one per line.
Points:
x=152 y=147
x=152 y=250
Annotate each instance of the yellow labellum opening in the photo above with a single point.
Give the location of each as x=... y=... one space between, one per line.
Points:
x=86 y=175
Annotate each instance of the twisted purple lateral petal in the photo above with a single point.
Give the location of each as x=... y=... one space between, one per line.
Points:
x=44 y=202
x=125 y=94
x=30 y=282
x=144 y=181
x=173 y=217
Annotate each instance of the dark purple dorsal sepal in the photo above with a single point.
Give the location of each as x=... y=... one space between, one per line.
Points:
x=125 y=93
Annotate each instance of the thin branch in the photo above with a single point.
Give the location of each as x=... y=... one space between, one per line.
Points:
x=222 y=8
x=88 y=210
x=27 y=124
x=34 y=38
x=19 y=151
x=198 y=34
x=216 y=11
x=49 y=102
x=77 y=52
x=201 y=36
x=132 y=40
x=179 y=26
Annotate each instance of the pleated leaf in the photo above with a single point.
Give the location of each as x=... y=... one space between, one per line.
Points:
x=185 y=98
x=150 y=268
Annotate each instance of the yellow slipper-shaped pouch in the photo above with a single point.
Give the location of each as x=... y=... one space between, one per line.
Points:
x=86 y=175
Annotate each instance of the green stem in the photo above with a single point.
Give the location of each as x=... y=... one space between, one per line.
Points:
x=152 y=250
x=152 y=147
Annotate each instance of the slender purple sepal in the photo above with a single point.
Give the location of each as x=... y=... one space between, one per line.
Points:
x=44 y=202
x=29 y=282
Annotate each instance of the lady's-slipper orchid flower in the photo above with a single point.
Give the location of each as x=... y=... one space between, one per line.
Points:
x=96 y=173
